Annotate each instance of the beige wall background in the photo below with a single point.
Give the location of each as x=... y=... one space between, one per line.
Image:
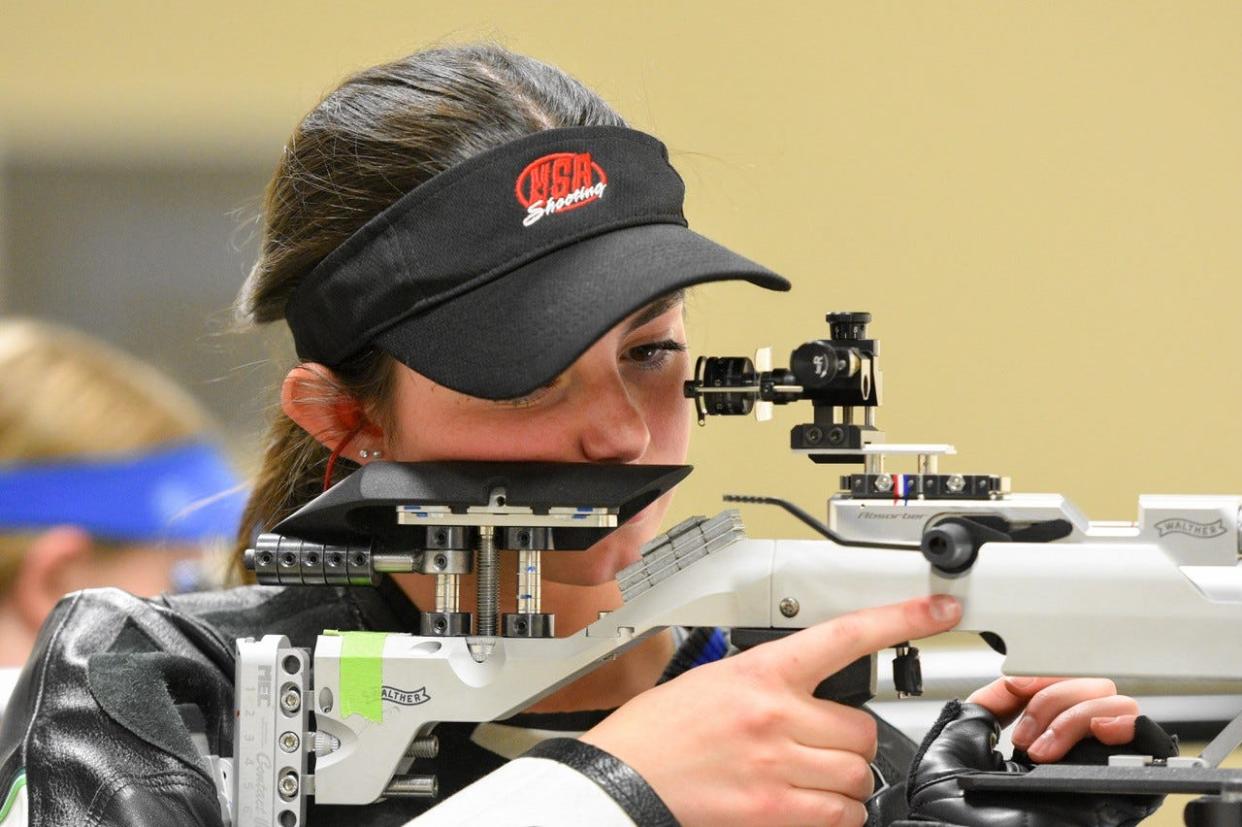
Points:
x=1039 y=202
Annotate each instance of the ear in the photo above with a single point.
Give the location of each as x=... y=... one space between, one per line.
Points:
x=314 y=398
x=50 y=568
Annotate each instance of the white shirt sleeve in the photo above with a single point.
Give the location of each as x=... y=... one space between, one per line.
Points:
x=527 y=792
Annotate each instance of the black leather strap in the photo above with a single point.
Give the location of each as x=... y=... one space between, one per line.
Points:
x=625 y=786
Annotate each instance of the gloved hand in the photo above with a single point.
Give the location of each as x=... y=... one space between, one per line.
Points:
x=962 y=742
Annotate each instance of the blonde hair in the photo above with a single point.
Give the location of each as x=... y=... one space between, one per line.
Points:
x=67 y=395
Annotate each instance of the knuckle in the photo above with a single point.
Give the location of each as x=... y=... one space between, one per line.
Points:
x=837 y=811
x=1039 y=709
x=859 y=778
x=848 y=630
x=1074 y=719
x=860 y=728
x=759 y=806
x=869 y=729
x=761 y=716
x=833 y=811
x=766 y=763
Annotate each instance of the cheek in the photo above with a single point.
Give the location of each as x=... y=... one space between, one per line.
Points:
x=433 y=423
x=668 y=416
x=439 y=427
x=602 y=561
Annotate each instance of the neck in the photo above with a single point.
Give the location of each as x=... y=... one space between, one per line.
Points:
x=606 y=687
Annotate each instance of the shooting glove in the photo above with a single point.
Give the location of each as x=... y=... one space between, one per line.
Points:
x=961 y=743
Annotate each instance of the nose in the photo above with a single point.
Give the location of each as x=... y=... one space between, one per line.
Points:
x=615 y=428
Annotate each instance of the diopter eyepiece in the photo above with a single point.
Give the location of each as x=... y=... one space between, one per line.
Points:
x=723 y=386
x=833 y=372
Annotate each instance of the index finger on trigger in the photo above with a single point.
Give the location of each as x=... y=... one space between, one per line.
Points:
x=809 y=656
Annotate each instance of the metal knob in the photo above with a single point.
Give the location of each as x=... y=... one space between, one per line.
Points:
x=949 y=547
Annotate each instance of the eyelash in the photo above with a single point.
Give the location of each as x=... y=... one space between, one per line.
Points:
x=659 y=350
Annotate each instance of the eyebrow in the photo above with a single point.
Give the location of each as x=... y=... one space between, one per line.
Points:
x=656 y=309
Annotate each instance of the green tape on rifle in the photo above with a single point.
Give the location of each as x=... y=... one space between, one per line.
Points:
x=362 y=673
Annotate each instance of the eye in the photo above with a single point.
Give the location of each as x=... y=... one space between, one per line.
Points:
x=653 y=355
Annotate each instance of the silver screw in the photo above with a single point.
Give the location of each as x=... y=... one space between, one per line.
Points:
x=325 y=743
x=486 y=584
x=288 y=784
x=413 y=786
x=956 y=484
x=428 y=747
x=883 y=483
x=289 y=741
x=291 y=699
x=789 y=607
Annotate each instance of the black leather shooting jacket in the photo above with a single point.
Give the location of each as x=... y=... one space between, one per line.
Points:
x=112 y=712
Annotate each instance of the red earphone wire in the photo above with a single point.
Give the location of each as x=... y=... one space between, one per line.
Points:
x=340 y=446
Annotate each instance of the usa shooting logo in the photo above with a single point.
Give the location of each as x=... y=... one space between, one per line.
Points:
x=559 y=182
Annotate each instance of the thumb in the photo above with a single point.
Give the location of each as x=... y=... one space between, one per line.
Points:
x=962 y=739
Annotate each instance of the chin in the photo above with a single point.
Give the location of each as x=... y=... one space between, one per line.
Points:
x=601 y=562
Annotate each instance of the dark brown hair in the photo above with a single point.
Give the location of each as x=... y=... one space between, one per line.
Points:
x=379 y=135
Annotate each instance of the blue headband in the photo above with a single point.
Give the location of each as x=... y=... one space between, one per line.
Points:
x=185 y=492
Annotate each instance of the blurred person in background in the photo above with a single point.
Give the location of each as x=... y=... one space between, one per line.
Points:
x=108 y=477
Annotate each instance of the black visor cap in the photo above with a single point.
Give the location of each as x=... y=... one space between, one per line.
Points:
x=517 y=333
x=492 y=277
